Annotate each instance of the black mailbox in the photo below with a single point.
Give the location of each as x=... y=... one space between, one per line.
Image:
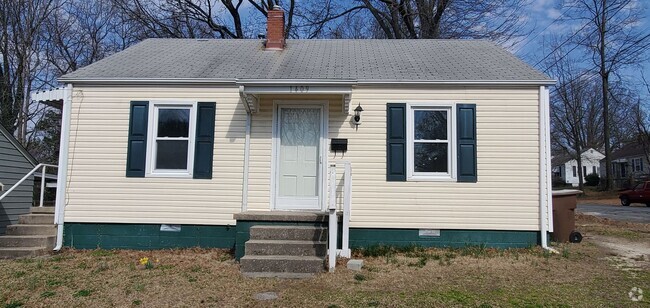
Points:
x=339 y=145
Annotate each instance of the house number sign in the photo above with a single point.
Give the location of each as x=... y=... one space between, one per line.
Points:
x=299 y=89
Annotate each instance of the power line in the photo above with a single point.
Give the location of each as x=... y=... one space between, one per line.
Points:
x=564 y=55
x=562 y=44
x=568 y=39
x=540 y=32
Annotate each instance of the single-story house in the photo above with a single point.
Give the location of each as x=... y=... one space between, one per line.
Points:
x=191 y=142
x=15 y=163
x=629 y=164
x=566 y=167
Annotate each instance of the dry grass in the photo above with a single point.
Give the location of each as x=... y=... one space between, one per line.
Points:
x=593 y=194
x=580 y=276
x=588 y=224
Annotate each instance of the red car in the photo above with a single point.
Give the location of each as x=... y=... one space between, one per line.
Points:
x=639 y=194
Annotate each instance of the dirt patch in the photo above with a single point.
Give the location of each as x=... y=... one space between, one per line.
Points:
x=633 y=255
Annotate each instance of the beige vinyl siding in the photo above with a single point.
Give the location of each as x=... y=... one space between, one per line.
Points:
x=506 y=196
x=99 y=191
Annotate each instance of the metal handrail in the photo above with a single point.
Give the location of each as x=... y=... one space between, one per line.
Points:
x=333 y=219
x=44 y=166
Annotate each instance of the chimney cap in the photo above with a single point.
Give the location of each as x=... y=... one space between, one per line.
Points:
x=277 y=7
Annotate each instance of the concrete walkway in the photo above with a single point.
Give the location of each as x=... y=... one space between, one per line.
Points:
x=635 y=213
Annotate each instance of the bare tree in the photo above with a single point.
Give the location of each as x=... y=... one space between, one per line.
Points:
x=575 y=107
x=20 y=33
x=614 y=40
x=500 y=21
x=80 y=33
x=197 y=18
x=642 y=122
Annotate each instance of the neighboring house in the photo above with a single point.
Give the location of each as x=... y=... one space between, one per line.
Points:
x=629 y=165
x=566 y=167
x=167 y=143
x=15 y=163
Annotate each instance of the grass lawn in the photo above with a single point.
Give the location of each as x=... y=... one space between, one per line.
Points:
x=582 y=275
x=593 y=193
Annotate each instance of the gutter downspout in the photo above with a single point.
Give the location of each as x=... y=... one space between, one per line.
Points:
x=247 y=147
x=544 y=170
x=64 y=142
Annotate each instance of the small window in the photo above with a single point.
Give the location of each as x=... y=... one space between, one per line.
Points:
x=431 y=143
x=575 y=171
x=637 y=165
x=171 y=149
x=584 y=171
x=593 y=169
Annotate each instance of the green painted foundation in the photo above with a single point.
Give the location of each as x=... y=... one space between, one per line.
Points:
x=360 y=238
x=146 y=236
x=149 y=236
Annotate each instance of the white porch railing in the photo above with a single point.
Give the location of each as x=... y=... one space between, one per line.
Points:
x=43 y=173
x=345 y=209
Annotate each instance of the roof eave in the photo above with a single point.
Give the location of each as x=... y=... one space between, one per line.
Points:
x=459 y=82
x=28 y=156
x=123 y=81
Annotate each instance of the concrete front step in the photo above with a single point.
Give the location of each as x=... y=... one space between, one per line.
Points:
x=42 y=210
x=283 y=247
x=36 y=219
x=282 y=264
x=290 y=233
x=31 y=229
x=279 y=275
x=28 y=241
x=22 y=252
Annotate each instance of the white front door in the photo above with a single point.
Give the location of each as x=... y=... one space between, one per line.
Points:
x=298 y=161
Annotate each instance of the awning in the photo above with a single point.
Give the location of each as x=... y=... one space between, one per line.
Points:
x=52 y=97
x=250 y=93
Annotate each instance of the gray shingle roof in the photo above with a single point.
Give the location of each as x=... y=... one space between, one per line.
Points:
x=356 y=60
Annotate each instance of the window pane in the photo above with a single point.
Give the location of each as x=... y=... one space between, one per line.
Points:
x=173 y=122
x=172 y=154
x=430 y=125
x=430 y=157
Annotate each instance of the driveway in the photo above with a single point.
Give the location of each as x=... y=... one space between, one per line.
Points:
x=634 y=213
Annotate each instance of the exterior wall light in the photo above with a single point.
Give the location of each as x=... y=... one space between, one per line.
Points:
x=356 y=120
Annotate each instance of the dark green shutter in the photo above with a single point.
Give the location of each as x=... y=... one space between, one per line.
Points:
x=137 y=148
x=466 y=121
x=396 y=142
x=204 y=141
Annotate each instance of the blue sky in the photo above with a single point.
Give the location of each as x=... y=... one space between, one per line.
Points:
x=540 y=20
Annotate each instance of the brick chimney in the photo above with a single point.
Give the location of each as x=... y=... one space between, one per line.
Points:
x=275 y=29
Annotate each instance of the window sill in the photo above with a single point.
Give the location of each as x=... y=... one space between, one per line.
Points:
x=169 y=175
x=430 y=179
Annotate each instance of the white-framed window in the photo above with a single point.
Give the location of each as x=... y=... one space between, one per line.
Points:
x=431 y=137
x=637 y=165
x=170 y=144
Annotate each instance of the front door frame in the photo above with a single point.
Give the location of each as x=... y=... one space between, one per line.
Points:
x=322 y=184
